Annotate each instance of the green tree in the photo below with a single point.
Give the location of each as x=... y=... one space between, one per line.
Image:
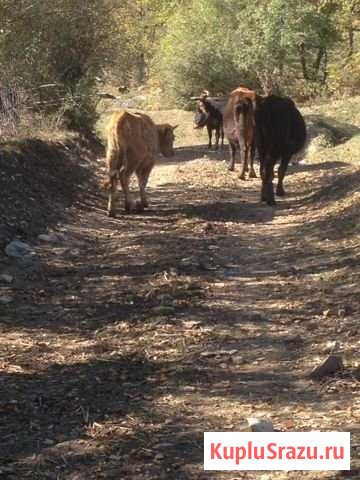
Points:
x=284 y=38
x=278 y=45
x=59 y=43
x=197 y=51
x=346 y=17
x=141 y=23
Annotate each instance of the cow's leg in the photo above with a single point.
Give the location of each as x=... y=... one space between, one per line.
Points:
x=259 y=147
x=267 y=191
x=246 y=156
x=217 y=137
x=281 y=174
x=222 y=136
x=261 y=159
x=232 y=147
x=112 y=194
x=113 y=163
x=209 y=129
x=262 y=175
x=252 y=173
x=125 y=174
x=243 y=152
x=143 y=177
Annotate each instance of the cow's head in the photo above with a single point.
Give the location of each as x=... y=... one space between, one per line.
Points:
x=166 y=139
x=201 y=114
x=202 y=111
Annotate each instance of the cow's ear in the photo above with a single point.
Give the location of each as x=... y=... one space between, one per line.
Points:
x=173 y=128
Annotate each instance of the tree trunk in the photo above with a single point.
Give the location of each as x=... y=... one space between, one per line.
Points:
x=325 y=68
x=351 y=41
x=317 y=62
x=140 y=69
x=303 y=61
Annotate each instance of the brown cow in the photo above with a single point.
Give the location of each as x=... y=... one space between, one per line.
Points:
x=239 y=127
x=133 y=143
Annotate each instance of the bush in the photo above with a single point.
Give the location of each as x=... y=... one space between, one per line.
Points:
x=42 y=42
x=279 y=46
x=344 y=77
x=197 y=53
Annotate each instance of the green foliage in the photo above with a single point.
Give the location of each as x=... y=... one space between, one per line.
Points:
x=44 y=42
x=281 y=45
x=285 y=42
x=141 y=24
x=176 y=48
x=344 y=77
x=197 y=52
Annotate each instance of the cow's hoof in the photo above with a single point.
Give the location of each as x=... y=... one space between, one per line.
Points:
x=111 y=214
x=130 y=206
x=242 y=176
x=231 y=168
x=271 y=203
x=252 y=175
x=139 y=207
x=280 y=192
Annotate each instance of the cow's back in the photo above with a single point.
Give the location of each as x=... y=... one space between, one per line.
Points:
x=280 y=125
x=235 y=97
x=228 y=116
x=135 y=134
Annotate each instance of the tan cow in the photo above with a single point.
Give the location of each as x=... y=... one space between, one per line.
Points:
x=133 y=144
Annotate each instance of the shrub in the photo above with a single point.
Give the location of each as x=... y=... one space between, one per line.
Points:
x=42 y=42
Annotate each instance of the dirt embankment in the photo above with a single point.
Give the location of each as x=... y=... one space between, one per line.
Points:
x=40 y=181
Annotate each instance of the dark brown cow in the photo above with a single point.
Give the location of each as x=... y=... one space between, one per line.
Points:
x=133 y=143
x=239 y=127
x=209 y=113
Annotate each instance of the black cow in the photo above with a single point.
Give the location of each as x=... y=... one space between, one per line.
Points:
x=280 y=133
x=209 y=113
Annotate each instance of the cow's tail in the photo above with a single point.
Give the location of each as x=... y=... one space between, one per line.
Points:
x=111 y=181
x=115 y=158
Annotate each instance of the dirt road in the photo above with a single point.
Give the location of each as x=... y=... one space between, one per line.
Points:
x=142 y=332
